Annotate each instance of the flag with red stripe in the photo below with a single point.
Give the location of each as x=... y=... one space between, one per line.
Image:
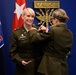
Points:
x=17 y=20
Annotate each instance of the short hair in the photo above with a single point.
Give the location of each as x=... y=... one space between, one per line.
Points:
x=60 y=14
x=31 y=11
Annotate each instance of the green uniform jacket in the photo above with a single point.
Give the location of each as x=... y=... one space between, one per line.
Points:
x=58 y=42
x=22 y=49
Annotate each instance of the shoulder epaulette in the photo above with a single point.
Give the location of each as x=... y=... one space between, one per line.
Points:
x=16 y=29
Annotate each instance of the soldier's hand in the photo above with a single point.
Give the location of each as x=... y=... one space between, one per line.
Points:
x=25 y=62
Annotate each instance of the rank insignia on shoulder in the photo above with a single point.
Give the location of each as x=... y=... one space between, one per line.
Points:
x=16 y=28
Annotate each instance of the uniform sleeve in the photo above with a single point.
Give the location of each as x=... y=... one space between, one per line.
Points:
x=13 y=49
x=37 y=36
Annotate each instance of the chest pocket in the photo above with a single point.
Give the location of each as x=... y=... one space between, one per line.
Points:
x=23 y=40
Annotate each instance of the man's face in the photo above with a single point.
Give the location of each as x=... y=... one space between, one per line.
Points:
x=28 y=18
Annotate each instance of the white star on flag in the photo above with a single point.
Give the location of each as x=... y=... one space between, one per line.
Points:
x=18 y=10
x=17 y=20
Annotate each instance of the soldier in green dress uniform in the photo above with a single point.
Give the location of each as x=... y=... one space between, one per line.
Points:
x=58 y=42
x=21 y=48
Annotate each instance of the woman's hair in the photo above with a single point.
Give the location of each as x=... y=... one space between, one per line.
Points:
x=61 y=15
x=30 y=10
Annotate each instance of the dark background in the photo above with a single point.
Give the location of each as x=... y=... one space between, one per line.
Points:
x=6 y=16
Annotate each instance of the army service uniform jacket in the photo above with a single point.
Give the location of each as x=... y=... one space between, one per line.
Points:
x=58 y=42
x=21 y=49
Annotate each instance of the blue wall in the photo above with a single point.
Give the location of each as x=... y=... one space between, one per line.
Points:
x=6 y=16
